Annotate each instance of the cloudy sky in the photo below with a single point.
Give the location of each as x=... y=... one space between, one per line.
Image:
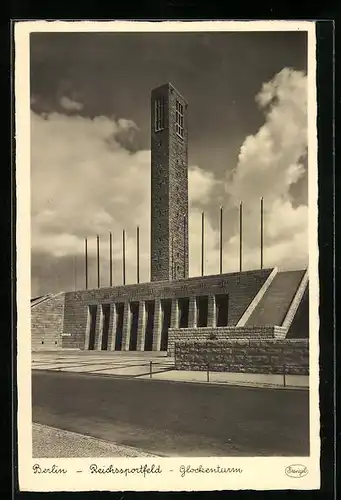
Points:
x=90 y=147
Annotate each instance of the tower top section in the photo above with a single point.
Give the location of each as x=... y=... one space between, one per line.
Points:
x=168 y=87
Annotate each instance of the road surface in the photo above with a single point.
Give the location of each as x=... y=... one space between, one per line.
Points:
x=172 y=418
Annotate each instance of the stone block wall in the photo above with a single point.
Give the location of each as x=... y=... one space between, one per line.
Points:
x=222 y=333
x=240 y=287
x=47 y=319
x=244 y=356
x=169 y=188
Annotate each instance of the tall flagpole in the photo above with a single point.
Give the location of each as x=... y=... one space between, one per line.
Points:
x=202 y=242
x=86 y=263
x=240 y=237
x=75 y=271
x=138 y=254
x=124 y=256
x=98 y=265
x=261 y=231
x=221 y=240
x=110 y=258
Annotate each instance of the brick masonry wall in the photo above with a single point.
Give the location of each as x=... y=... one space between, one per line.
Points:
x=221 y=333
x=159 y=193
x=241 y=288
x=178 y=188
x=244 y=356
x=47 y=320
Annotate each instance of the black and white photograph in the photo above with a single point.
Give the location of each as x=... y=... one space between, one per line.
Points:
x=167 y=256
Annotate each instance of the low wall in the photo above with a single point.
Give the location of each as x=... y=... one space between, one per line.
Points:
x=244 y=356
x=222 y=333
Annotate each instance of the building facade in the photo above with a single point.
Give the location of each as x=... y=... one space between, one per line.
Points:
x=172 y=307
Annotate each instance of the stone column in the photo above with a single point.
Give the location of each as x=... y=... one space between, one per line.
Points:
x=141 y=326
x=175 y=314
x=87 y=331
x=126 y=327
x=99 y=328
x=211 y=313
x=157 y=326
x=192 y=312
x=112 y=327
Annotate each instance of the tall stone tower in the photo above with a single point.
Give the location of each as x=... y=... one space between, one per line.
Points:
x=169 y=184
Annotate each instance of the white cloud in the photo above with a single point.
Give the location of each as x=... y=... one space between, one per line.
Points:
x=84 y=183
x=200 y=186
x=269 y=163
x=70 y=105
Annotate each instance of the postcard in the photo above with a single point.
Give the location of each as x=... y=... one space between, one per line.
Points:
x=167 y=256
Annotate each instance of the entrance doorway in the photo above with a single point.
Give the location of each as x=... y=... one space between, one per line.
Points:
x=166 y=306
x=134 y=310
x=183 y=305
x=105 y=326
x=92 y=326
x=202 y=308
x=222 y=309
x=148 y=337
x=119 y=325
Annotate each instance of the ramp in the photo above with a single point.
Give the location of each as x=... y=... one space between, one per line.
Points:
x=276 y=301
x=299 y=328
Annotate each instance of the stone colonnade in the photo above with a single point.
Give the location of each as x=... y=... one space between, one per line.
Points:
x=135 y=331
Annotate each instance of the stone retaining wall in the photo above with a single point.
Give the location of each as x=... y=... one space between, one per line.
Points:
x=222 y=333
x=244 y=356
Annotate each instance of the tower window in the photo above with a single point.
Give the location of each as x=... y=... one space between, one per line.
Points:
x=159 y=116
x=179 y=119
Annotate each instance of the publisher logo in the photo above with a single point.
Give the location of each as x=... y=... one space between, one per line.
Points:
x=296 y=470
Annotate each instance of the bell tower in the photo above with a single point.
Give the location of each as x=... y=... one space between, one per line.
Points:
x=169 y=184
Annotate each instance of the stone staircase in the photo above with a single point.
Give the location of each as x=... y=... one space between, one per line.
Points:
x=275 y=303
x=47 y=316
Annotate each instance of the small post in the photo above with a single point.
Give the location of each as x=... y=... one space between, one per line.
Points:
x=284 y=380
x=86 y=263
x=124 y=256
x=202 y=242
x=98 y=265
x=240 y=237
x=261 y=232
x=221 y=240
x=110 y=258
x=208 y=372
x=138 y=254
x=150 y=369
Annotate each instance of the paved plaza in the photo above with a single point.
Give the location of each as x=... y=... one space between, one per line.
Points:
x=103 y=362
x=152 y=364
